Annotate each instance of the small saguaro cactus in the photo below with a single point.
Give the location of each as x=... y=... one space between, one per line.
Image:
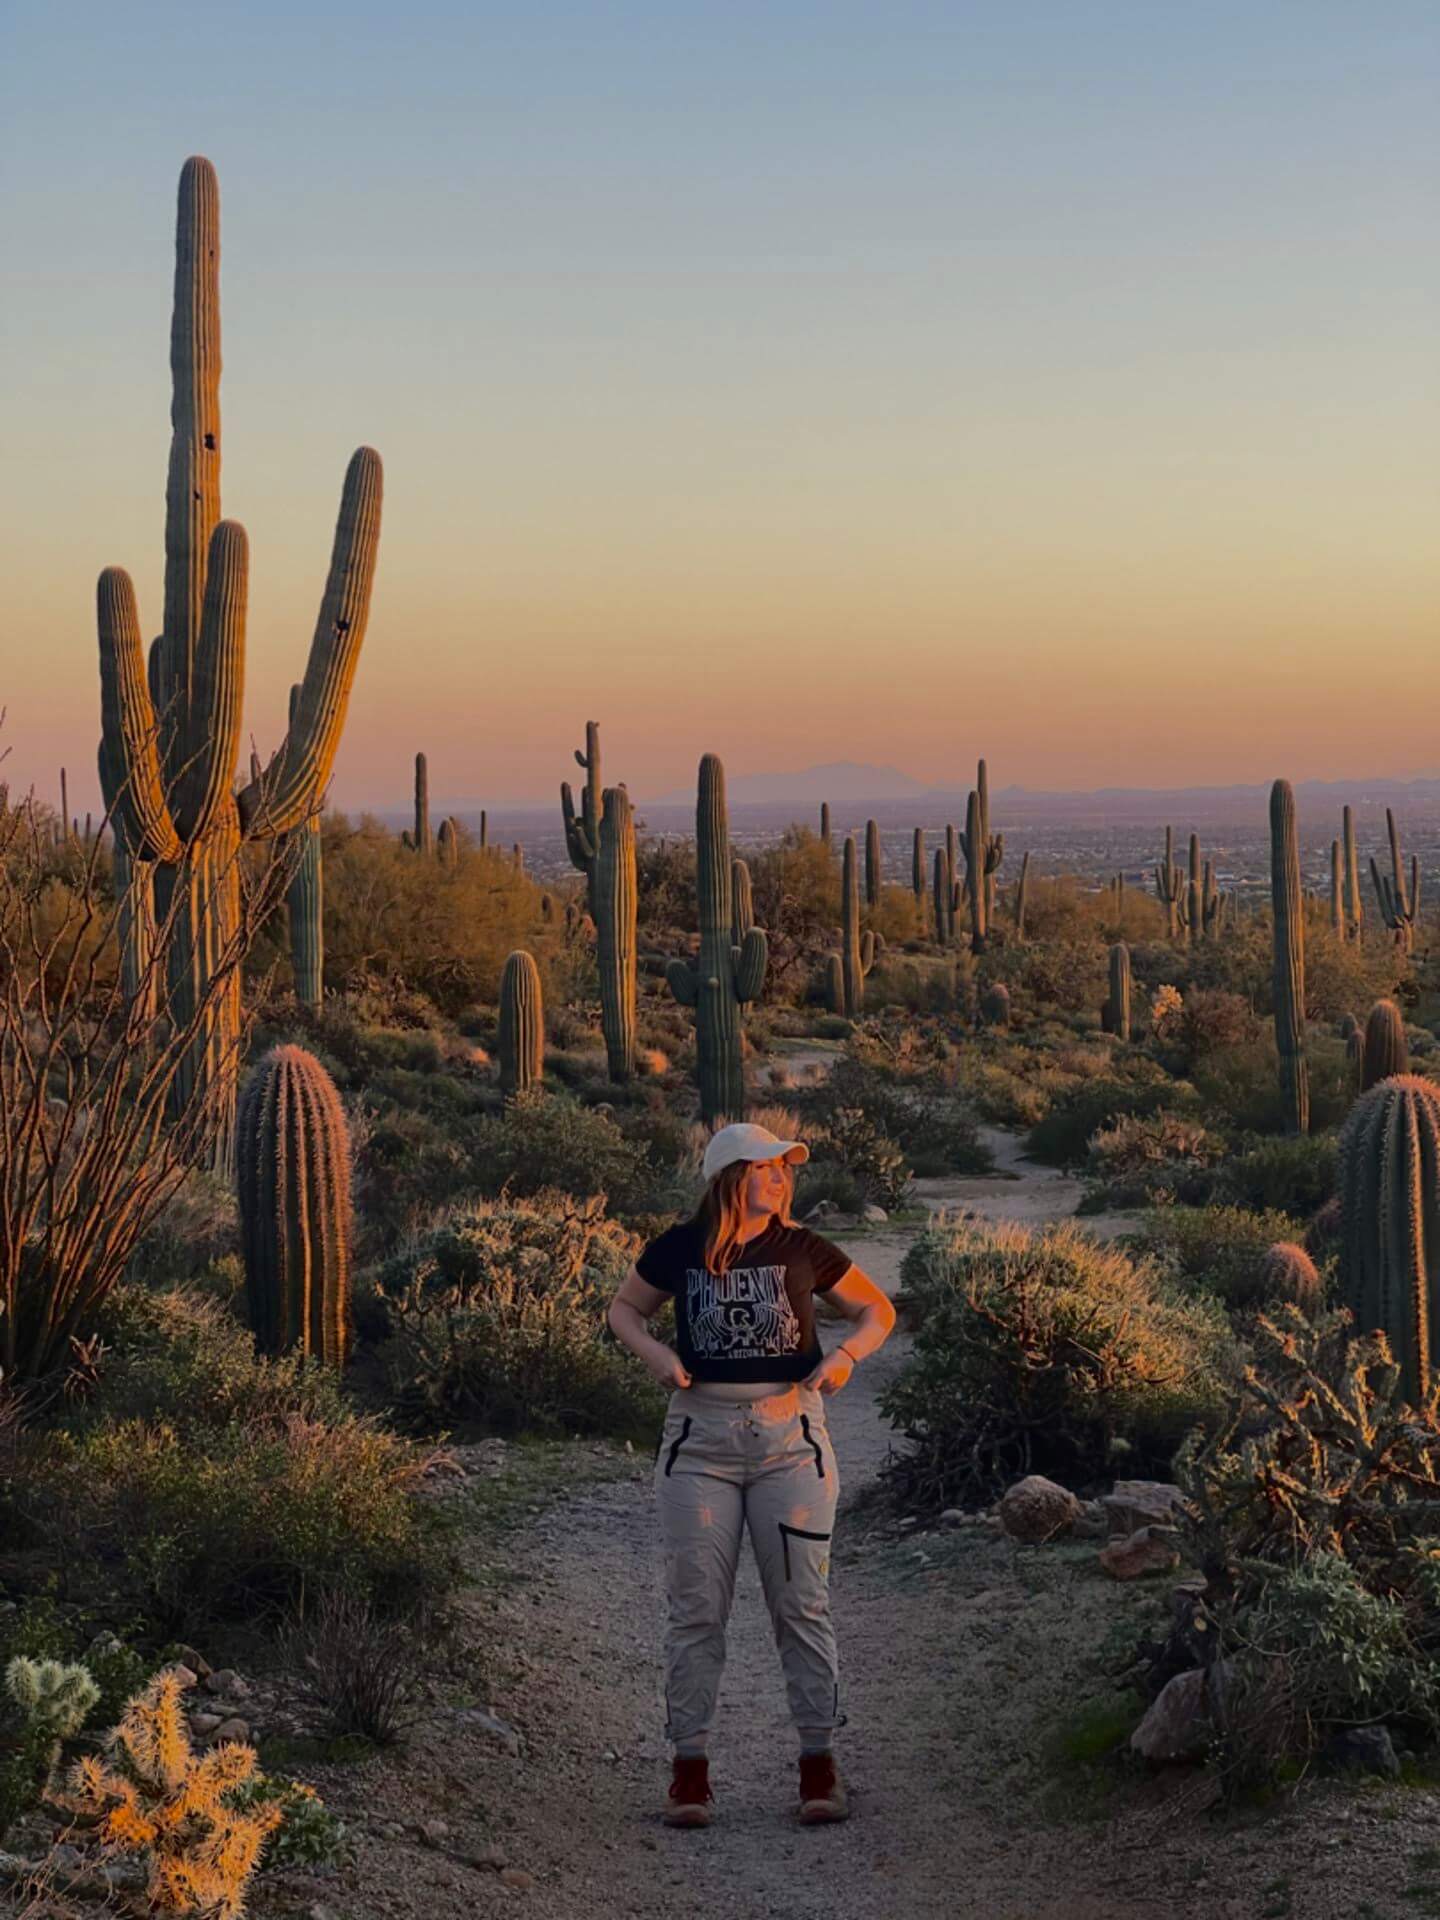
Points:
x=1337 y=890
x=172 y=727
x=447 y=842
x=724 y=978
x=995 y=1005
x=1389 y=1153
x=857 y=950
x=872 y=864
x=1168 y=885
x=420 y=834
x=1117 y=1007
x=293 y=1163
x=976 y=885
x=1399 y=905
x=833 y=979
x=1354 y=906
x=582 y=835
x=1194 y=896
x=522 y=1024
x=484 y=829
x=1022 y=893
x=825 y=825
x=944 y=902
x=1385 y=1050
x=917 y=869
x=616 y=943
x=1289 y=958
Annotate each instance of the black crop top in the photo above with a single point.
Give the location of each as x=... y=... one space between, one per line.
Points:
x=756 y=1322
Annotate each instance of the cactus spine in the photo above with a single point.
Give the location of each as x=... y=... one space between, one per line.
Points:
x=172 y=733
x=522 y=1024
x=857 y=950
x=1390 y=1220
x=582 y=835
x=976 y=883
x=1355 y=911
x=616 y=946
x=1399 y=907
x=1385 y=1049
x=724 y=977
x=1289 y=958
x=420 y=839
x=305 y=904
x=294 y=1188
x=872 y=864
x=1117 y=1007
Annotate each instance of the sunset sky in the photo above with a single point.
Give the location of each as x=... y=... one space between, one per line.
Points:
x=1058 y=380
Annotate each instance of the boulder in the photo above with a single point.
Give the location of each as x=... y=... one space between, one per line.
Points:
x=1147 y=1550
x=1178 y=1723
x=1037 y=1509
x=1364 y=1750
x=874 y=1216
x=1142 y=1503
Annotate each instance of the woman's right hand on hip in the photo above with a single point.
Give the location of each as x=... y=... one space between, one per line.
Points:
x=669 y=1369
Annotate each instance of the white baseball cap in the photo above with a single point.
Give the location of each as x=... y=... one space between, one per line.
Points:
x=742 y=1141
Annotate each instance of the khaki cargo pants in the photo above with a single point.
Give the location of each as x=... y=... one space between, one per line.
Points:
x=723 y=1465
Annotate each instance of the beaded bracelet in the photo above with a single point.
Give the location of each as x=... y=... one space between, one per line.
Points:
x=842 y=1348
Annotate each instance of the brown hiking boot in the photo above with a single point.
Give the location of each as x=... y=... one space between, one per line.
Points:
x=689 y=1792
x=822 y=1797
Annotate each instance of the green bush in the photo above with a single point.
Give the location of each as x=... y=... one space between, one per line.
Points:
x=1217 y=1250
x=1045 y=1352
x=1242 y=1085
x=931 y=1125
x=546 y=1142
x=498 y=1313
x=1137 y=1089
x=851 y=1143
x=1295 y=1174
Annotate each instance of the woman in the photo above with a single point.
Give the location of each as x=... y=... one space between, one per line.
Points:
x=745 y=1443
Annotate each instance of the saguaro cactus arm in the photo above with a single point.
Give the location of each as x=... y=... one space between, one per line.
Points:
x=130 y=737
x=292 y=786
x=751 y=958
x=683 y=981
x=210 y=738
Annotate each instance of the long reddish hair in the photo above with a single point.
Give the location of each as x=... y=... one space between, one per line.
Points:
x=722 y=1210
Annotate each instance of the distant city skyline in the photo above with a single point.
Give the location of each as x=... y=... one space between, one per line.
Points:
x=831 y=381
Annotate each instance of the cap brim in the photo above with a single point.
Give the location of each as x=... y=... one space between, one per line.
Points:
x=794 y=1151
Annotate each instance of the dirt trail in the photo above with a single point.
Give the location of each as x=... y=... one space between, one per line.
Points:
x=956 y=1650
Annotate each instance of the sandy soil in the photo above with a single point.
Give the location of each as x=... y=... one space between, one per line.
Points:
x=959 y=1652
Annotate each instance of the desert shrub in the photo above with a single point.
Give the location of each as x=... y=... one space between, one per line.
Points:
x=226 y=1522
x=851 y=1141
x=1309 y=1511
x=919 y=983
x=362 y=1667
x=1044 y=1352
x=197 y=1232
x=822 y=1181
x=1063 y=1136
x=1136 y=1144
x=1242 y=1084
x=1219 y=1250
x=498 y=1313
x=1209 y=1020
x=931 y=1125
x=544 y=1141
x=1295 y=1174
x=406 y=1165
x=1068 y=974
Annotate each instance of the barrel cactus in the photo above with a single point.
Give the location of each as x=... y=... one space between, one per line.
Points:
x=1290 y=1275
x=1385 y=1050
x=1289 y=958
x=1390 y=1220
x=616 y=945
x=995 y=1005
x=293 y=1163
x=723 y=978
x=172 y=729
x=522 y=1024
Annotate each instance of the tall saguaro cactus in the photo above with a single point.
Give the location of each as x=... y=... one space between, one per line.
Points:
x=305 y=905
x=1194 y=896
x=917 y=869
x=872 y=864
x=857 y=950
x=1168 y=885
x=944 y=902
x=724 y=977
x=1022 y=895
x=294 y=1188
x=1354 y=906
x=825 y=838
x=422 y=841
x=976 y=882
x=616 y=907
x=1289 y=957
x=994 y=843
x=172 y=733
x=1399 y=905
x=582 y=835
x=1390 y=1221
x=1337 y=890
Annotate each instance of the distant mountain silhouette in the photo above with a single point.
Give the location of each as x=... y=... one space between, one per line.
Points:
x=845 y=782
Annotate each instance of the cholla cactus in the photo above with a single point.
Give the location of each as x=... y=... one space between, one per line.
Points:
x=51 y=1694
x=1167 y=1006
x=152 y=1795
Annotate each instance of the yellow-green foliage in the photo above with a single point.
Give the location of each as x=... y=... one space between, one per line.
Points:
x=153 y=1796
x=444 y=930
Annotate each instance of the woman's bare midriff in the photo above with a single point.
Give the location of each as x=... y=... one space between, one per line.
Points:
x=751 y=1390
